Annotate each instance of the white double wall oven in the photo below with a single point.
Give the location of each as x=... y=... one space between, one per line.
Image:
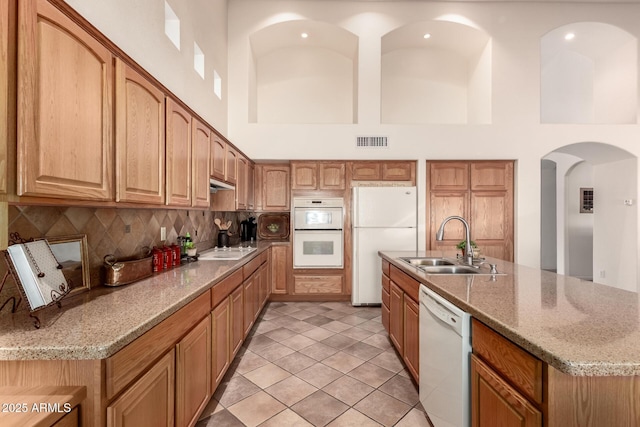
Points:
x=318 y=232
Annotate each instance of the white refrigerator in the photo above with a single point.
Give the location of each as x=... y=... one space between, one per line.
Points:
x=384 y=218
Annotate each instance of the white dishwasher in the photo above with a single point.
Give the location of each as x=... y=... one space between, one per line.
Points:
x=445 y=347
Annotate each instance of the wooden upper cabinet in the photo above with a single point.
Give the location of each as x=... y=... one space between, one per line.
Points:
x=449 y=176
x=201 y=144
x=304 y=176
x=140 y=129
x=251 y=193
x=178 y=139
x=275 y=188
x=241 y=183
x=492 y=176
x=318 y=176
x=332 y=176
x=231 y=156
x=404 y=170
x=218 y=158
x=366 y=171
x=65 y=79
x=399 y=171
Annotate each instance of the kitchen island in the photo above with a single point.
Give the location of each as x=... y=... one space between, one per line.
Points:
x=586 y=336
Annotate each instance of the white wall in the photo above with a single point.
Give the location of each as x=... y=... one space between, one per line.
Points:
x=548 y=208
x=137 y=27
x=515 y=131
x=615 y=224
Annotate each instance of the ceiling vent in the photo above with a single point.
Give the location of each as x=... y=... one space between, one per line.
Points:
x=372 y=142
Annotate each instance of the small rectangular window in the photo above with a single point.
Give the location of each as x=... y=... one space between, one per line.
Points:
x=217 y=84
x=171 y=25
x=586 y=200
x=198 y=60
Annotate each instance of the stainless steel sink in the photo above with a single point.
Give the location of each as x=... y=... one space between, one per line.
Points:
x=428 y=261
x=451 y=269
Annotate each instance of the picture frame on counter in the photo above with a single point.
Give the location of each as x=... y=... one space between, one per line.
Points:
x=72 y=252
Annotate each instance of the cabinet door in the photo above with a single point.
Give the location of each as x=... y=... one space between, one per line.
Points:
x=275 y=188
x=64 y=111
x=218 y=158
x=366 y=171
x=449 y=176
x=139 y=138
x=264 y=285
x=396 y=318
x=201 y=145
x=149 y=402
x=220 y=340
x=332 y=176
x=193 y=373
x=237 y=321
x=304 y=176
x=231 y=156
x=178 y=139
x=492 y=223
x=251 y=194
x=249 y=301
x=279 y=268
x=492 y=176
x=398 y=171
x=412 y=336
x=441 y=205
x=494 y=402
x=241 y=183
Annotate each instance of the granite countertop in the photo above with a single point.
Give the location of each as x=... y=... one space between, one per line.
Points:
x=580 y=328
x=99 y=323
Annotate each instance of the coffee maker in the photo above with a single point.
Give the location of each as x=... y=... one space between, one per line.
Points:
x=248 y=229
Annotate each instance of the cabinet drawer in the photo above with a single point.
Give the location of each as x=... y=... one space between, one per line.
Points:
x=135 y=358
x=520 y=368
x=385 y=296
x=249 y=268
x=317 y=284
x=385 y=283
x=385 y=267
x=408 y=284
x=224 y=288
x=385 y=316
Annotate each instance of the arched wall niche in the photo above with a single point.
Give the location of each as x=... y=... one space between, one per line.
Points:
x=303 y=80
x=589 y=74
x=443 y=79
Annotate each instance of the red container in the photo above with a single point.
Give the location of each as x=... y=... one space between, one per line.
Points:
x=176 y=254
x=157 y=262
x=167 y=259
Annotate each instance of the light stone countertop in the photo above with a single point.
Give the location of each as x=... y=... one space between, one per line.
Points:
x=580 y=328
x=99 y=323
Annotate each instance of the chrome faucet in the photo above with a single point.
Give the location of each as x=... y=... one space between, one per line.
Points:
x=468 y=247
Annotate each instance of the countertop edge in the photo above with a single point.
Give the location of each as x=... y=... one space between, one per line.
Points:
x=569 y=367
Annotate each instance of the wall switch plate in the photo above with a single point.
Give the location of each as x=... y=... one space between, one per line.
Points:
x=163 y=233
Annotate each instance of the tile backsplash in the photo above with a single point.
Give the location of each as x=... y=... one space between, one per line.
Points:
x=121 y=232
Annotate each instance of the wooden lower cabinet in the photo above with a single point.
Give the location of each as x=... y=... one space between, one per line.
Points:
x=149 y=401
x=220 y=339
x=495 y=403
x=193 y=373
x=72 y=419
x=411 y=355
x=280 y=256
x=312 y=284
x=236 y=325
x=249 y=303
x=395 y=317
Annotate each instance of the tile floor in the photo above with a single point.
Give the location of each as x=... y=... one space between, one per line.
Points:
x=316 y=364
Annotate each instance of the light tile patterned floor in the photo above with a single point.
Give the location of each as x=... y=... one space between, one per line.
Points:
x=316 y=364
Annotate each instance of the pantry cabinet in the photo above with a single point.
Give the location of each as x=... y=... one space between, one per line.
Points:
x=201 y=145
x=140 y=147
x=64 y=108
x=479 y=191
x=178 y=139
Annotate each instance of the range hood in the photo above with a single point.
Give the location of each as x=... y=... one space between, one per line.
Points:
x=215 y=186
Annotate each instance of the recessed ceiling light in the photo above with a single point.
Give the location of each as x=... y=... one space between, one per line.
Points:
x=304 y=35
x=427 y=36
x=569 y=36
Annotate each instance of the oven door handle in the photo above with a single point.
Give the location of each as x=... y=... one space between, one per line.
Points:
x=317 y=230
